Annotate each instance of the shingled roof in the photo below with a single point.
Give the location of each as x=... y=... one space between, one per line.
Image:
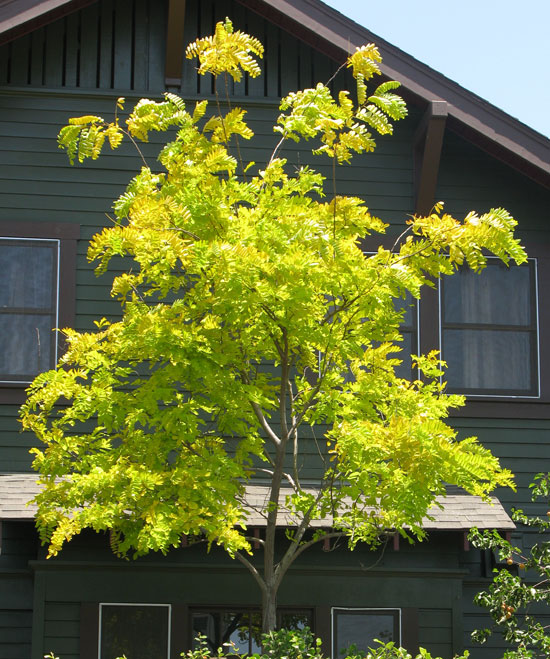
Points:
x=454 y=512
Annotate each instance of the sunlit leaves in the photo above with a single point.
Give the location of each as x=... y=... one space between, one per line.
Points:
x=227 y=51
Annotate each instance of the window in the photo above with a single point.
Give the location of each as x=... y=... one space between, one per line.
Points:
x=38 y=265
x=489 y=330
x=28 y=307
x=242 y=627
x=360 y=628
x=139 y=631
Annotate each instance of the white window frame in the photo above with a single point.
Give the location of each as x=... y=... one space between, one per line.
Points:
x=359 y=609
x=143 y=604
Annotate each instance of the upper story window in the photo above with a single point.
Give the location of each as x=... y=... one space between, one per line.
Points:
x=29 y=302
x=38 y=266
x=489 y=330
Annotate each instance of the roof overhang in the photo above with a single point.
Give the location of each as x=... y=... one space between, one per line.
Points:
x=496 y=132
x=454 y=512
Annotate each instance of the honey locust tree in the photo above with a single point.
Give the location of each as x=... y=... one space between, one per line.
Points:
x=251 y=318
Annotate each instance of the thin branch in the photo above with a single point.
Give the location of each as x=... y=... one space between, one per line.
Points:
x=252 y=538
x=264 y=424
x=294 y=435
x=283 y=389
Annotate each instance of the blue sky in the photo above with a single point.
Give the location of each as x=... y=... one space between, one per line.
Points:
x=498 y=49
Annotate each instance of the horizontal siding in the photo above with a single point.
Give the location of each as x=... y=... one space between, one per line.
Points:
x=489 y=183
x=15 y=633
x=435 y=631
x=62 y=629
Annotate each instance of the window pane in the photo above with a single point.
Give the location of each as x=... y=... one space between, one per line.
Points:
x=361 y=628
x=488 y=359
x=139 y=632
x=241 y=628
x=499 y=295
x=28 y=271
x=26 y=344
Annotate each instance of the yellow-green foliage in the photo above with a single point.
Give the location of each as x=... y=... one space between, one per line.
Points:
x=251 y=318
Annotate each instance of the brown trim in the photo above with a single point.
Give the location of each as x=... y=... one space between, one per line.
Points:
x=427 y=144
x=174 y=42
x=322 y=626
x=178 y=630
x=89 y=630
x=23 y=16
x=409 y=629
x=67 y=234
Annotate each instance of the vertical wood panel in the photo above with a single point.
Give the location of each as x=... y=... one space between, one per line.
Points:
x=122 y=38
x=239 y=20
x=288 y=64
x=20 y=61
x=157 y=35
x=141 y=45
x=206 y=12
x=320 y=70
x=72 y=50
x=54 y=54
x=88 y=46
x=255 y=27
x=106 y=45
x=189 y=82
x=4 y=59
x=305 y=80
x=272 y=60
x=37 y=57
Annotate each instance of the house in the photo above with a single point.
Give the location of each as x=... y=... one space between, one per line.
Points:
x=62 y=58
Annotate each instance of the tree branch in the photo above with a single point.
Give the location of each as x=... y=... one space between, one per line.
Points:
x=264 y=424
x=252 y=569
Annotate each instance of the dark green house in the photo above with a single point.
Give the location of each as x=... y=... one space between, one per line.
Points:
x=61 y=58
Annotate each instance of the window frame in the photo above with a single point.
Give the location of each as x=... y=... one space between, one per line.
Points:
x=67 y=234
x=533 y=330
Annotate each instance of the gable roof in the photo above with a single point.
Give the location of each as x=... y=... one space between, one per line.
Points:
x=335 y=35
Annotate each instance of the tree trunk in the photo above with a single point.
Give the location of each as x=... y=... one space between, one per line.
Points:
x=269 y=608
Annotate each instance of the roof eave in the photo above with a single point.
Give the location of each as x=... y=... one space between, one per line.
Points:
x=494 y=130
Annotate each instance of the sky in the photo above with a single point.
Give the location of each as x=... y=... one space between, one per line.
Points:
x=498 y=49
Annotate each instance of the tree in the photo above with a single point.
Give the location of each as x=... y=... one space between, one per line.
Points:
x=252 y=317
x=520 y=590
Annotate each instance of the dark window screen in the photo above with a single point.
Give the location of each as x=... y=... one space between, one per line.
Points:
x=489 y=330
x=360 y=628
x=28 y=307
x=135 y=631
